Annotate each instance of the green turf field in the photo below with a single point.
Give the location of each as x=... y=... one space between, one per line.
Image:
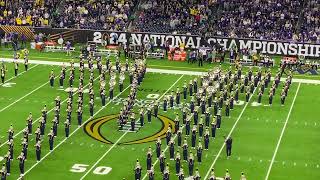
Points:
x=270 y=142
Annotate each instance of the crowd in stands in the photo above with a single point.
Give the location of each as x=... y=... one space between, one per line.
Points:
x=27 y=12
x=311 y=21
x=96 y=14
x=181 y=16
x=294 y=20
x=262 y=19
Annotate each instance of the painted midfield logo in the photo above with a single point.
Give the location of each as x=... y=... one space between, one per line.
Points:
x=93 y=129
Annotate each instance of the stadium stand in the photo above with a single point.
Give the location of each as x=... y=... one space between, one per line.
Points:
x=311 y=22
x=98 y=14
x=27 y=13
x=293 y=20
x=176 y=16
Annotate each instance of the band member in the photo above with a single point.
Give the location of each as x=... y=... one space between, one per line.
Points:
x=191 y=163
x=137 y=170
x=168 y=135
x=10 y=133
x=21 y=159
x=178 y=163
x=196 y=175
x=79 y=114
x=228 y=142
x=188 y=127
x=165 y=104
x=3 y=71
x=156 y=108
x=171 y=100
x=185 y=150
x=11 y=145
x=38 y=150
x=178 y=94
x=149 y=158
x=25 y=145
x=26 y=60
x=51 y=78
x=149 y=113
x=42 y=126
x=185 y=89
x=67 y=128
x=151 y=173
x=200 y=127
x=270 y=99
x=103 y=97
x=141 y=116
x=243 y=177
x=8 y=163
x=213 y=128
x=133 y=122
x=179 y=137
x=158 y=147
x=162 y=162
x=195 y=116
x=199 y=152
x=227 y=176
x=166 y=173
x=181 y=174
x=193 y=136
x=212 y=175
x=206 y=139
x=207 y=117
x=16 y=67
x=51 y=139
x=91 y=107
x=176 y=124
x=38 y=134
x=171 y=149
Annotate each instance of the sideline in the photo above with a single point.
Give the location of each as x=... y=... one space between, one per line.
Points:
x=153 y=70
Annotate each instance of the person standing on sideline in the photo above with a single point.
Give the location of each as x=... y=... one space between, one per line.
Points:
x=228 y=142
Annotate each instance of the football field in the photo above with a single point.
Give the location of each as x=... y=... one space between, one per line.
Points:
x=269 y=142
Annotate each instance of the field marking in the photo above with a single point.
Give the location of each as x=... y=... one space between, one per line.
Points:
x=152 y=70
x=232 y=129
x=20 y=74
x=26 y=95
x=107 y=152
x=38 y=162
x=281 y=135
x=41 y=116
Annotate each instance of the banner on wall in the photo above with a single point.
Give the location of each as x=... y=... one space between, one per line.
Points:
x=174 y=40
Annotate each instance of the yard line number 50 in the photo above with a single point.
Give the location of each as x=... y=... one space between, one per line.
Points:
x=80 y=168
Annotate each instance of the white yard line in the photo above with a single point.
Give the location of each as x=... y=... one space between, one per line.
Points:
x=64 y=140
x=281 y=135
x=17 y=134
x=231 y=131
x=20 y=73
x=31 y=92
x=165 y=71
x=107 y=152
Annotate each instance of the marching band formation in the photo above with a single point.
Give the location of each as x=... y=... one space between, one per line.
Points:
x=212 y=98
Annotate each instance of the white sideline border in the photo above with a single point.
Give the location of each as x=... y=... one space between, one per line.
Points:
x=165 y=71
